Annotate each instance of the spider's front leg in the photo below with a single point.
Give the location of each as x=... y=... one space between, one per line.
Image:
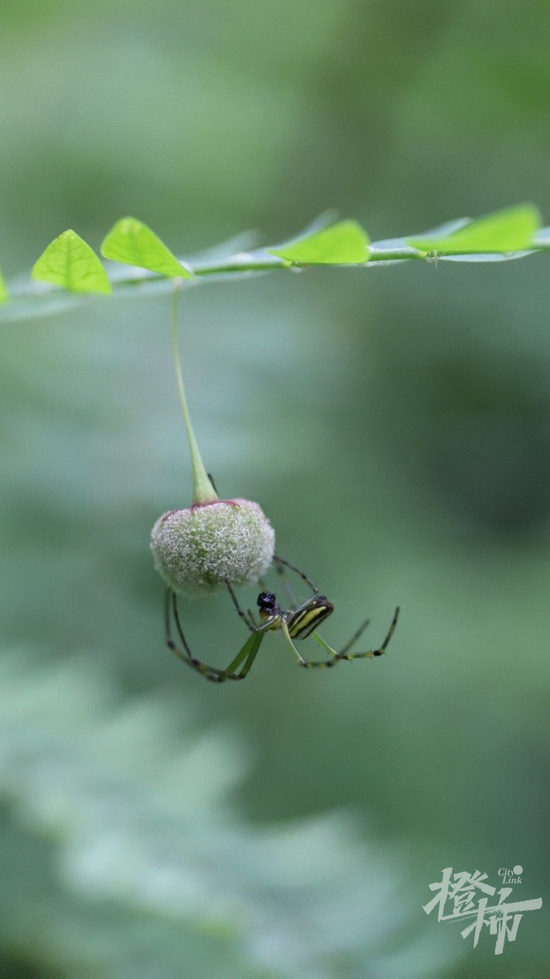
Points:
x=246 y=654
x=281 y=564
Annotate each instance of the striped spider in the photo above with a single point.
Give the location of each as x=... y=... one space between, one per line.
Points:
x=297 y=622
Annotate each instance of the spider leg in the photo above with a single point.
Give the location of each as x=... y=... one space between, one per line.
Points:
x=211 y=478
x=369 y=654
x=304 y=577
x=336 y=656
x=246 y=654
x=250 y=649
x=319 y=664
x=356 y=635
x=286 y=585
x=252 y=618
x=247 y=619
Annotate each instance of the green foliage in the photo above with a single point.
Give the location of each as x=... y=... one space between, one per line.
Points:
x=146 y=853
x=505 y=231
x=51 y=930
x=3 y=290
x=70 y=263
x=132 y=242
x=345 y=243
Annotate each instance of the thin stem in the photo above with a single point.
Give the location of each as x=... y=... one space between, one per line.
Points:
x=29 y=299
x=203 y=491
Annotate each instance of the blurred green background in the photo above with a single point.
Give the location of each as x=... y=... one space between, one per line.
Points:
x=394 y=425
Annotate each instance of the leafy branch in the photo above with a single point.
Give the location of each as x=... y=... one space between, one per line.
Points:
x=69 y=262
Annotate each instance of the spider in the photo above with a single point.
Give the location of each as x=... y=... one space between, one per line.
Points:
x=297 y=622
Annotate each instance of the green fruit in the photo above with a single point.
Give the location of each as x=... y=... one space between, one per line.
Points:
x=197 y=548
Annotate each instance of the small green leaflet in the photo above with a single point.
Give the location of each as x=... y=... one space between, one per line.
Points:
x=69 y=262
x=133 y=243
x=511 y=230
x=344 y=243
x=3 y=290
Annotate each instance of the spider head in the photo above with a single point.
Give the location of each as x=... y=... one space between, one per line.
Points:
x=267 y=602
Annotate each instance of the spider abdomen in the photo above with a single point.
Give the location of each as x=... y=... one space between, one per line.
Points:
x=305 y=620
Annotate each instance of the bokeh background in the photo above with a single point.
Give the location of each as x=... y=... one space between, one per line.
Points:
x=395 y=425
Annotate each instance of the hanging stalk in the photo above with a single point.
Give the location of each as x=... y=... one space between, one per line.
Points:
x=203 y=491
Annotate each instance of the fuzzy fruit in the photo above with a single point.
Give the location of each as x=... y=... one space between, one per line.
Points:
x=197 y=548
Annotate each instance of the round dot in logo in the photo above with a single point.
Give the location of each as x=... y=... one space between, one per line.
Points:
x=518 y=870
